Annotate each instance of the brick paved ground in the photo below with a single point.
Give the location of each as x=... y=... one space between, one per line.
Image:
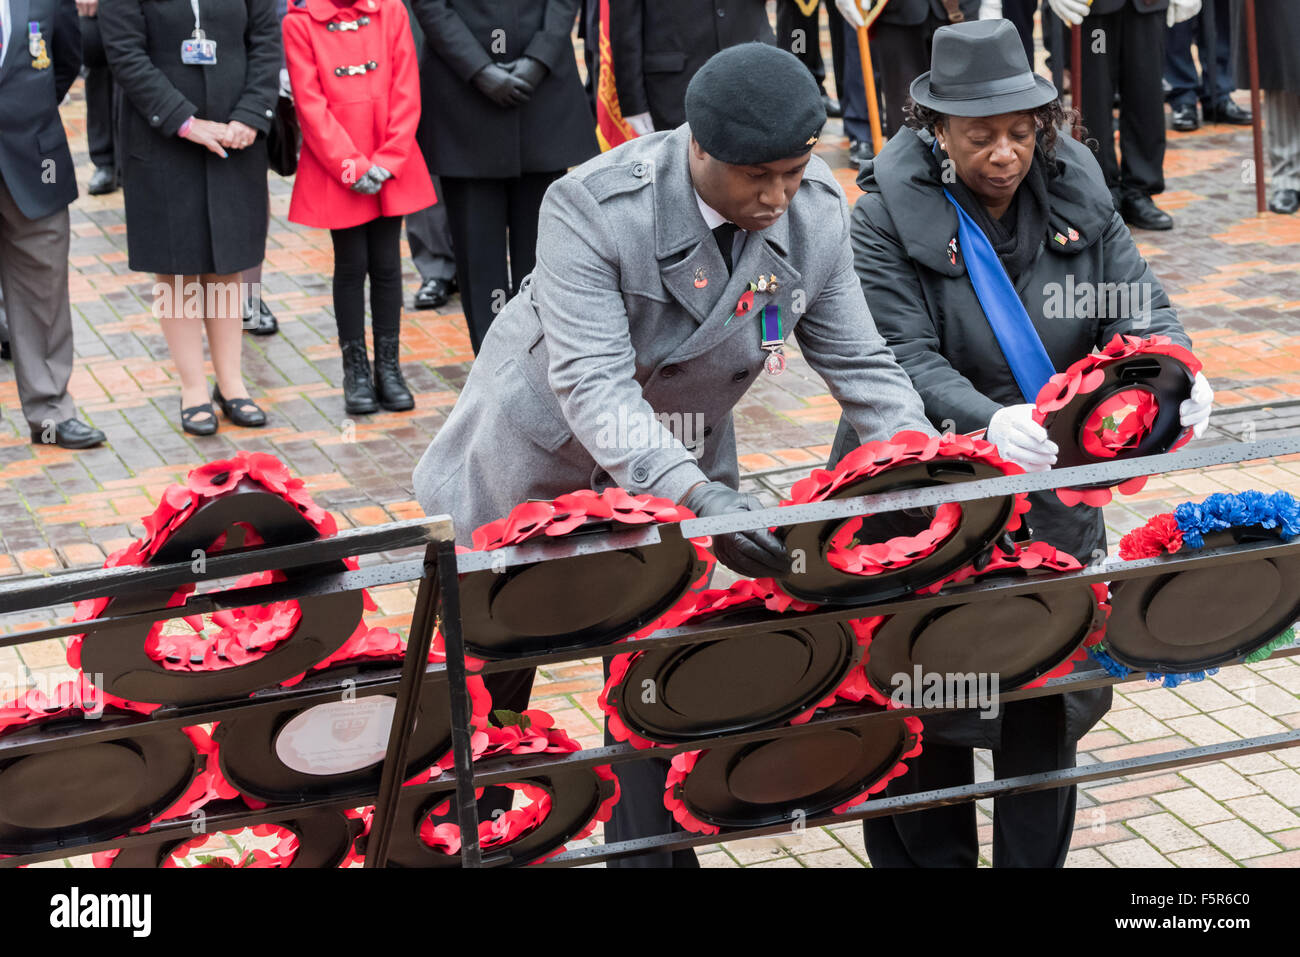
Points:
x=1232 y=276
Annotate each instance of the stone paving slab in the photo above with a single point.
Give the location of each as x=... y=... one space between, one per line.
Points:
x=1232 y=276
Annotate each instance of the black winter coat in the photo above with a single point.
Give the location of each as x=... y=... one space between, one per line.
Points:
x=35 y=162
x=926 y=308
x=910 y=13
x=1277 y=36
x=658 y=45
x=1100 y=7
x=462 y=132
x=189 y=211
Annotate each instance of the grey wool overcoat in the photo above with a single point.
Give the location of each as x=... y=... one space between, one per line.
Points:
x=626 y=319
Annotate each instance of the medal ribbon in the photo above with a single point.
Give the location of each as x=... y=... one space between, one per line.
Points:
x=772 y=326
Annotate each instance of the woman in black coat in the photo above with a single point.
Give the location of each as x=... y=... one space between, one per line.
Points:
x=504 y=116
x=1041 y=201
x=194 y=172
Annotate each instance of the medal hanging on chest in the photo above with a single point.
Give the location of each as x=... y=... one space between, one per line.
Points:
x=36 y=46
x=773 y=340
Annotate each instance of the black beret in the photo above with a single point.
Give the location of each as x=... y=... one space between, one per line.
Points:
x=754 y=103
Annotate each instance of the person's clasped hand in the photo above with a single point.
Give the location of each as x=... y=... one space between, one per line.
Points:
x=1180 y=10
x=851 y=12
x=530 y=70
x=1020 y=439
x=208 y=134
x=501 y=86
x=1072 y=11
x=1194 y=412
x=238 y=136
x=372 y=181
x=756 y=554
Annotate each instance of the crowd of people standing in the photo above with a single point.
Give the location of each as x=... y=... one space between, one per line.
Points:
x=456 y=116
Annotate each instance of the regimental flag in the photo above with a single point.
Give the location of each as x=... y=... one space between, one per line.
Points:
x=611 y=128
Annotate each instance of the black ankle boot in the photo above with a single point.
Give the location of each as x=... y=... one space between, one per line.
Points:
x=358 y=390
x=389 y=383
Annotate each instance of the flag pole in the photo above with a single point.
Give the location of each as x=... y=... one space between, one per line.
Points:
x=1076 y=77
x=1256 y=118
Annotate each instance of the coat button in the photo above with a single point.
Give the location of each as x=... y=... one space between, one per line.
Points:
x=640 y=473
x=740 y=376
x=638 y=170
x=722 y=13
x=708 y=430
x=155 y=120
x=270 y=113
x=669 y=371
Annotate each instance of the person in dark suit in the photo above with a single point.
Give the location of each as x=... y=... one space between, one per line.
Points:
x=800 y=33
x=504 y=116
x=1187 y=83
x=658 y=45
x=900 y=44
x=1277 y=29
x=1124 y=51
x=195 y=166
x=37 y=183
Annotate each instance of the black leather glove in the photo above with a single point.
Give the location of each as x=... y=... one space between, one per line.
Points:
x=756 y=554
x=501 y=86
x=531 y=71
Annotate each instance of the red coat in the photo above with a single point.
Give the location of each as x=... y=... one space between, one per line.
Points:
x=354 y=120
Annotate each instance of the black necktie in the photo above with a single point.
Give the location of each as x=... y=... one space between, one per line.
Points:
x=726 y=237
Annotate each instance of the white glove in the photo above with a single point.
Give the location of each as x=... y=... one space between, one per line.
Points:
x=1071 y=11
x=1194 y=413
x=1180 y=10
x=850 y=11
x=641 y=123
x=1020 y=439
x=991 y=10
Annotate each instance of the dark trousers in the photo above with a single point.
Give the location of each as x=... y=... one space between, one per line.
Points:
x=1186 y=86
x=429 y=237
x=1029 y=830
x=902 y=54
x=1021 y=13
x=790 y=20
x=1130 y=62
x=99 y=95
x=373 y=248
x=490 y=218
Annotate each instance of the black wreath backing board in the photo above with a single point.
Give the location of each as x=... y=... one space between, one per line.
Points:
x=1201 y=618
x=117 y=652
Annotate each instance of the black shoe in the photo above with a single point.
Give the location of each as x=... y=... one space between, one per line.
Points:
x=434 y=293
x=102 y=181
x=1184 y=120
x=1230 y=113
x=1139 y=210
x=832 y=105
x=859 y=152
x=358 y=388
x=194 y=422
x=4 y=349
x=389 y=382
x=243 y=412
x=70 y=434
x=1285 y=201
x=260 y=321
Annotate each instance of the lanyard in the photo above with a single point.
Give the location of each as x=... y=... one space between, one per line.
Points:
x=194 y=5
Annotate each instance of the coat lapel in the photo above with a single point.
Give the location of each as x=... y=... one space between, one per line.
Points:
x=679 y=226
x=763 y=255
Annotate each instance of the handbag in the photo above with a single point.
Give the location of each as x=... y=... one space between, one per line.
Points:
x=282 y=139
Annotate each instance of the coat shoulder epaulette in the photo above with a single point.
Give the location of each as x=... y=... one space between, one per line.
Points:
x=616 y=179
x=819 y=175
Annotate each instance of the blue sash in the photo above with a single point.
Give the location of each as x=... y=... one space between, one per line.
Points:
x=1003 y=309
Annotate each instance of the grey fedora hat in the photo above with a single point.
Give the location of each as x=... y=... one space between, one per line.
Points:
x=978 y=68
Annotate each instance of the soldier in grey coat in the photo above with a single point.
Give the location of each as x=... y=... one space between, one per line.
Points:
x=628 y=316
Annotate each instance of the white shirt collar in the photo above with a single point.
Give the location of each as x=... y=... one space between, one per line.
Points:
x=712 y=218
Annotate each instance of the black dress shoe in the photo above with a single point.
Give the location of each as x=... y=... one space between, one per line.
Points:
x=434 y=293
x=1184 y=120
x=4 y=349
x=1230 y=113
x=1285 y=201
x=260 y=321
x=69 y=434
x=1139 y=210
x=832 y=105
x=243 y=412
x=102 y=181
x=859 y=152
